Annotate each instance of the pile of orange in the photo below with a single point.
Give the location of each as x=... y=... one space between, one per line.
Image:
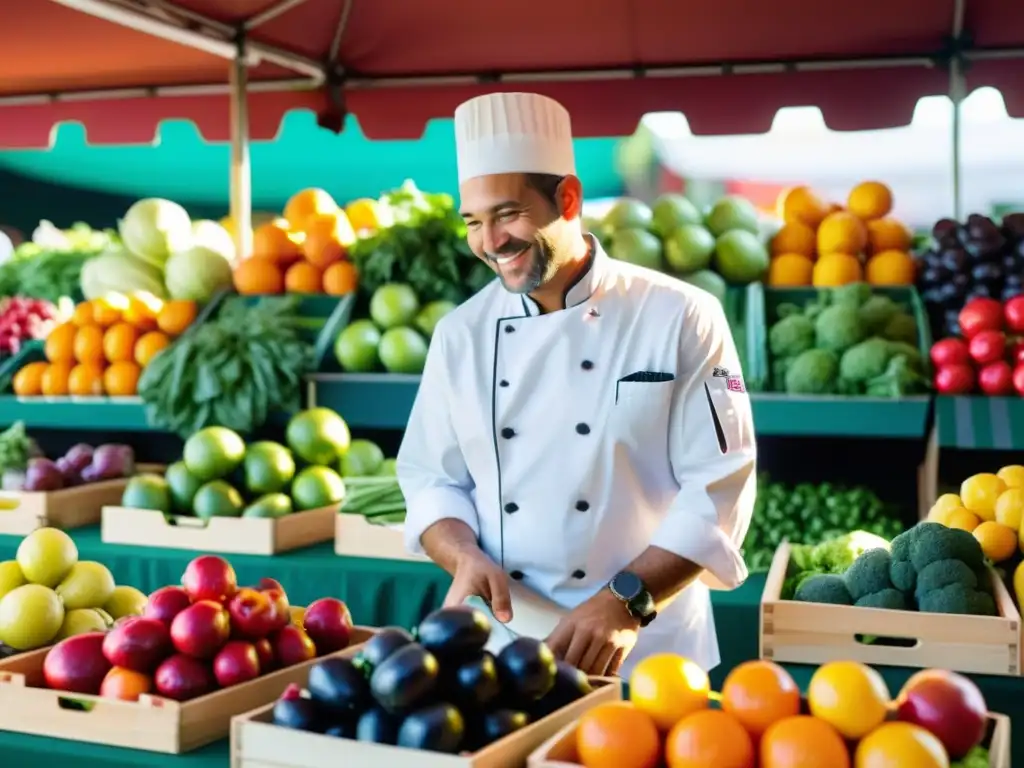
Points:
x=306 y=250
x=104 y=347
x=826 y=245
x=759 y=720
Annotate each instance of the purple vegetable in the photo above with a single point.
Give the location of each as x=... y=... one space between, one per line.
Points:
x=110 y=462
x=43 y=475
x=13 y=480
x=92 y=474
x=71 y=474
x=78 y=457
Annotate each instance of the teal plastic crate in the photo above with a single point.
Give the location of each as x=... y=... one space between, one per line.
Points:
x=980 y=423
x=366 y=400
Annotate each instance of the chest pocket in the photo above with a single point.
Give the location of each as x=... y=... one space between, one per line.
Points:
x=640 y=412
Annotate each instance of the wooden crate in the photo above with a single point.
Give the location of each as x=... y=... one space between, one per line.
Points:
x=355 y=536
x=152 y=723
x=257 y=743
x=814 y=633
x=22 y=512
x=226 y=535
x=560 y=750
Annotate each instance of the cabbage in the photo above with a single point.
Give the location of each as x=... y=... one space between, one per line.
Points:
x=119 y=272
x=197 y=274
x=214 y=236
x=153 y=229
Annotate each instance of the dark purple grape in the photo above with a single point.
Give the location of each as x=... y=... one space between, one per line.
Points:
x=982 y=228
x=947 y=232
x=952 y=323
x=1011 y=291
x=1013 y=264
x=987 y=272
x=981 y=291
x=962 y=281
x=934 y=276
x=1013 y=225
x=955 y=259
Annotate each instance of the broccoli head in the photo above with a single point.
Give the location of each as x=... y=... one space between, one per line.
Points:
x=909 y=351
x=889 y=598
x=812 y=373
x=824 y=588
x=958 y=598
x=942 y=573
x=876 y=312
x=865 y=361
x=838 y=328
x=936 y=542
x=868 y=574
x=901 y=327
x=902 y=571
x=851 y=294
x=791 y=336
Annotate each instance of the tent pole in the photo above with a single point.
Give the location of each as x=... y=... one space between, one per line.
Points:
x=241 y=173
x=957 y=93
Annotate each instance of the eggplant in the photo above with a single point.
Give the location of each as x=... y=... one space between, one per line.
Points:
x=474 y=683
x=571 y=684
x=454 y=633
x=527 y=669
x=298 y=713
x=378 y=648
x=377 y=726
x=406 y=680
x=437 y=728
x=339 y=686
x=343 y=729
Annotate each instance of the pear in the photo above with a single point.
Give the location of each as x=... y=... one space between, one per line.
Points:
x=30 y=617
x=125 y=601
x=11 y=576
x=80 y=621
x=87 y=585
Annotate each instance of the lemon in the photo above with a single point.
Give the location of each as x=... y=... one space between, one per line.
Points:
x=998 y=541
x=980 y=492
x=1010 y=507
x=849 y=696
x=961 y=518
x=1012 y=475
x=946 y=503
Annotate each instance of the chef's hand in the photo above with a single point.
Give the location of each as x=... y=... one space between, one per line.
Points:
x=476 y=574
x=596 y=636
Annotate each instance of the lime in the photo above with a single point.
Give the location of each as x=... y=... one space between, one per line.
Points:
x=430 y=316
x=318 y=436
x=217 y=499
x=147 y=491
x=403 y=350
x=269 y=467
x=182 y=485
x=689 y=248
x=316 y=487
x=709 y=281
x=389 y=468
x=393 y=304
x=270 y=505
x=46 y=555
x=636 y=246
x=672 y=211
x=364 y=458
x=356 y=347
x=980 y=493
x=627 y=213
x=732 y=212
x=740 y=257
x=213 y=453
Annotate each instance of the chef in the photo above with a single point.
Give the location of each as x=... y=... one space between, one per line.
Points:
x=580 y=454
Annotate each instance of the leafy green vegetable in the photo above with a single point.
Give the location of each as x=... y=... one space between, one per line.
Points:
x=976 y=758
x=16 y=448
x=50 y=265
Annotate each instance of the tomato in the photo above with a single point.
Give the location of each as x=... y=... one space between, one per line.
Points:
x=954 y=380
x=980 y=315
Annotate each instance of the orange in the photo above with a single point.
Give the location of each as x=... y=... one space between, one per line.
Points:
x=258 y=276
x=901 y=745
x=617 y=735
x=759 y=693
x=709 y=739
x=790 y=270
x=122 y=379
x=56 y=379
x=364 y=214
x=273 y=241
x=176 y=316
x=341 y=278
x=998 y=541
x=891 y=268
x=802 y=205
x=945 y=503
x=668 y=688
x=60 y=344
x=328 y=236
x=119 y=342
x=28 y=381
x=305 y=204
x=86 y=379
x=1012 y=476
x=795 y=237
x=889 y=234
x=960 y=518
x=142 y=310
x=803 y=742
x=303 y=277
x=870 y=200
x=125 y=684
x=147 y=347
x=850 y=696
x=89 y=344
x=836 y=269
x=105 y=312
x=1009 y=509
x=83 y=314
x=842 y=232
x=981 y=492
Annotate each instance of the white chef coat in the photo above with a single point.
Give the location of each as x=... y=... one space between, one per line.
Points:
x=571 y=441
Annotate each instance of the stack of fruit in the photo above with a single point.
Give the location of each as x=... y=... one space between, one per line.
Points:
x=441 y=692
x=724 y=245
x=80 y=465
x=196 y=638
x=396 y=335
x=24 y=320
x=103 y=349
x=220 y=476
x=48 y=594
x=989 y=356
x=306 y=251
x=937 y=718
x=824 y=244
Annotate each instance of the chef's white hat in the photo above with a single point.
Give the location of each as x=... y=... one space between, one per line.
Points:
x=513 y=133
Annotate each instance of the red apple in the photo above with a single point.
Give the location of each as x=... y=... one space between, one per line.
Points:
x=139 y=644
x=166 y=603
x=947 y=704
x=265 y=651
x=328 y=623
x=236 y=663
x=292 y=646
x=279 y=600
x=201 y=629
x=182 y=678
x=77 y=664
x=209 y=577
x=252 y=614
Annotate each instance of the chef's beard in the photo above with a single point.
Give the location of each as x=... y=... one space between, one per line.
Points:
x=537 y=271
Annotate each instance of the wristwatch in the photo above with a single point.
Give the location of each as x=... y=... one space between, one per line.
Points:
x=630 y=589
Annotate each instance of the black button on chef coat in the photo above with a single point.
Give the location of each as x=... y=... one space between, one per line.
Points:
x=509 y=329
x=579 y=575
x=503 y=383
x=582 y=505
x=586 y=365
x=511 y=507
x=517 y=575
x=583 y=429
x=508 y=433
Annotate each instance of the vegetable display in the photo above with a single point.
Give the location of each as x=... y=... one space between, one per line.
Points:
x=24 y=320
x=81 y=464
x=988 y=357
x=49 y=266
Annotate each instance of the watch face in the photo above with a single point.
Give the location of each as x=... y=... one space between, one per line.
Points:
x=627 y=585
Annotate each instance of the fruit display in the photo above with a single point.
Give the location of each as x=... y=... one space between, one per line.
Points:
x=722 y=245
x=988 y=356
x=929 y=568
x=24 y=320
x=82 y=464
x=978 y=258
x=306 y=249
x=826 y=244
x=440 y=692
x=47 y=594
x=203 y=636
x=849 y=341
x=49 y=266
x=233 y=370
x=220 y=475
x=848 y=718
x=395 y=336
x=809 y=514
x=105 y=346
